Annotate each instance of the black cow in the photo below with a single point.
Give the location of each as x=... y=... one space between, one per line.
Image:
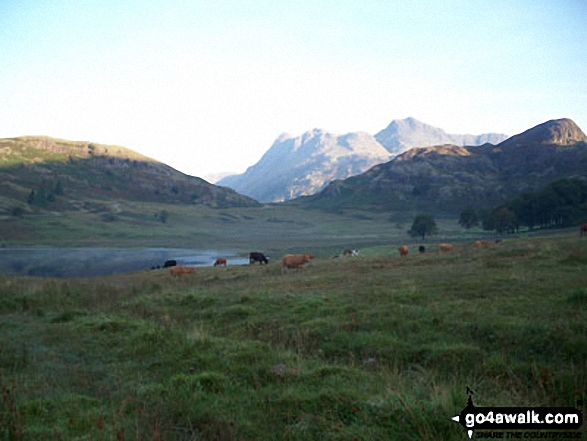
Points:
x=169 y=263
x=422 y=249
x=258 y=257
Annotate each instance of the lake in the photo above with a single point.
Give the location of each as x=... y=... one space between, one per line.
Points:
x=93 y=261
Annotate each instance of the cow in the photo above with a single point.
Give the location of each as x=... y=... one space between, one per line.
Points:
x=583 y=229
x=296 y=261
x=258 y=257
x=220 y=261
x=446 y=247
x=169 y=263
x=483 y=243
x=422 y=249
x=403 y=251
x=352 y=253
x=178 y=271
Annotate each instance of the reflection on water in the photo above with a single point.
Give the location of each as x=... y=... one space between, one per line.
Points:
x=89 y=262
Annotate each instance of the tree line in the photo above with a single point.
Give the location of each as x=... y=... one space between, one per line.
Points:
x=560 y=204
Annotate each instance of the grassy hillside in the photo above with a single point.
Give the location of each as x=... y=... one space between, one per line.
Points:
x=371 y=348
x=39 y=174
x=275 y=229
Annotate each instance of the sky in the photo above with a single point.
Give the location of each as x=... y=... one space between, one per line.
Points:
x=206 y=86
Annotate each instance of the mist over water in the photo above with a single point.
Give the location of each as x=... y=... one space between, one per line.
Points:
x=93 y=262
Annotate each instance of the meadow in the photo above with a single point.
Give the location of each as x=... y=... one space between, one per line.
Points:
x=375 y=347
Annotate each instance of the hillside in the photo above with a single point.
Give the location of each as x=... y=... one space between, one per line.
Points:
x=61 y=175
x=296 y=166
x=304 y=165
x=447 y=178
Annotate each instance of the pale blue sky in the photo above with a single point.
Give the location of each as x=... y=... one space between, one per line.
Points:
x=207 y=86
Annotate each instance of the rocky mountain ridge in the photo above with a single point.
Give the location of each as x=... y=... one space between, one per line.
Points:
x=447 y=178
x=304 y=165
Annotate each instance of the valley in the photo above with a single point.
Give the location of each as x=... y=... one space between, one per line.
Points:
x=376 y=346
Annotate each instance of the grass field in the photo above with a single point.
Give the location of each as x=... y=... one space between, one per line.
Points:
x=274 y=228
x=376 y=347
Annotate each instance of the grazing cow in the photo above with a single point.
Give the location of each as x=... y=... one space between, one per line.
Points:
x=258 y=257
x=294 y=261
x=583 y=229
x=178 y=271
x=422 y=249
x=220 y=261
x=483 y=243
x=446 y=247
x=169 y=263
x=403 y=251
x=352 y=253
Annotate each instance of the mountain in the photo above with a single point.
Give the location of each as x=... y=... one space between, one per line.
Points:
x=65 y=175
x=213 y=178
x=304 y=165
x=448 y=178
x=402 y=135
x=295 y=166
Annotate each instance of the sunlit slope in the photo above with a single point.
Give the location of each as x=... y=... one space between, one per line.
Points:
x=65 y=174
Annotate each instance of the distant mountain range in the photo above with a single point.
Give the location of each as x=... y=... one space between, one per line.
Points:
x=66 y=175
x=40 y=173
x=403 y=134
x=447 y=178
x=304 y=165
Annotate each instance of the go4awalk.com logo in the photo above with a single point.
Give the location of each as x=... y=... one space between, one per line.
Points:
x=551 y=422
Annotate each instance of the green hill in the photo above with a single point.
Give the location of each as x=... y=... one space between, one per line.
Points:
x=41 y=173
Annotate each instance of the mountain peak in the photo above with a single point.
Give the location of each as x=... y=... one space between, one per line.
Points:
x=302 y=165
x=562 y=131
x=448 y=178
x=403 y=134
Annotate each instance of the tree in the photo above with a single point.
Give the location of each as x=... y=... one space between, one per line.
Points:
x=58 y=190
x=423 y=224
x=468 y=218
x=505 y=221
x=163 y=215
x=17 y=211
x=500 y=219
x=31 y=198
x=41 y=198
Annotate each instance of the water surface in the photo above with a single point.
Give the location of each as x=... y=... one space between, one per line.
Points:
x=93 y=261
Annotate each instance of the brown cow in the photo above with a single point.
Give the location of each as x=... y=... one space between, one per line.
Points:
x=220 y=261
x=351 y=253
x=403 y=251
x=294 y=261
x=483 y=243
x=446 y=247
x=178 y=271
x=583 y=229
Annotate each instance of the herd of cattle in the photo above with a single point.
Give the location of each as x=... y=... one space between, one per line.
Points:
x=297 y=261
x=289 y=261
